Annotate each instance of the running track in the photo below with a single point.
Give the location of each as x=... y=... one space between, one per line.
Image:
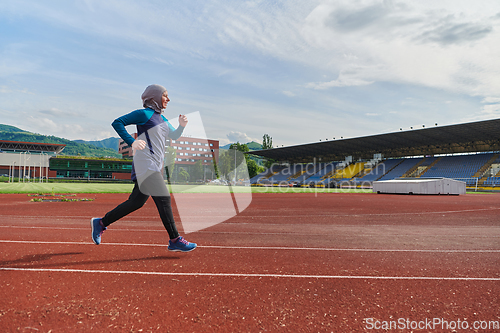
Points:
x=288 y=263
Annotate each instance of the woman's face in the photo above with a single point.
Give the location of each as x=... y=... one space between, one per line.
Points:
x=164 y=99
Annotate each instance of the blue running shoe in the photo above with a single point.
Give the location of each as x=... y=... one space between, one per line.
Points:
x=181 y=245
x=97 y=229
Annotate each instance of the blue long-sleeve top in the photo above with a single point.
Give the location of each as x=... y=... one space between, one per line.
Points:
x=144 y=119
x=154 y=129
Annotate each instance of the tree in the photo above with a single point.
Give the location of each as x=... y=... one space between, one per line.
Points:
x=215 y=169
x=170 y=155
x=241 y=160
x=183 y=175
x=253 y=168
x=267 y=142
x=226 y=164
x=231 y=158
x=197 y=171
x=240 y=147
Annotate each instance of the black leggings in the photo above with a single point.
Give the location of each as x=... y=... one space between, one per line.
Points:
x=136 y=200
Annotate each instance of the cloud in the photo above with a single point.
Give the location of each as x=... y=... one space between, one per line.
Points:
x=352 y=75
x=5 y=90
x=44 y=124
x=340 y=82
x=456 y=33
x=106 y=134
x=240 y=137
x=491 y=100
x=49 y=127
x=402 y=43
x=489 y=111
x=221 y=50
x=349 y=19
x=9 y=90
x=492 y=110
x=390 y=20
x=59 y=113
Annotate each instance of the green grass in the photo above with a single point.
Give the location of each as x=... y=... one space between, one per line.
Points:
x=64 y=188
x=127 y=188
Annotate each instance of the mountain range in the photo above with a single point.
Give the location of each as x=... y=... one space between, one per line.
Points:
x=111 y=143
x=73 y=148
x=251 y=146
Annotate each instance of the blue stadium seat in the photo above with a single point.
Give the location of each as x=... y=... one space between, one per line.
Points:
x=401 y=169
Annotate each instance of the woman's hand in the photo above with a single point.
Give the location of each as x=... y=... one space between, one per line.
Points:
x=139 y=144
x=183 y=120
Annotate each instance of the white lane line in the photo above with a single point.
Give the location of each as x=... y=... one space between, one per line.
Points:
x=345 y=249
x=308 y=216
x=276 y=248
x=490 y=235
x=241 y=275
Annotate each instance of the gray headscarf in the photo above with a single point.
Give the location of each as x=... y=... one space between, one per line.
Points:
x=151 y=97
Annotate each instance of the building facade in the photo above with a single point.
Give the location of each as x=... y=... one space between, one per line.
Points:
x=191 y=150
x=85 y=168
x=27 y=159
x=125 y=149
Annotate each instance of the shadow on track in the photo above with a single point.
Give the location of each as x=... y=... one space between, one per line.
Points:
x=33 y=260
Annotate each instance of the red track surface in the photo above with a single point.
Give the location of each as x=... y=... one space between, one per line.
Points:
x=288 y=263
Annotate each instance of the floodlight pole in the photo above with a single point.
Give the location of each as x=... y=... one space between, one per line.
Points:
x=12 y=171
x=24 y=167
x=20 y=163
x=233 y=198
x=235 y=148
x=40 y=172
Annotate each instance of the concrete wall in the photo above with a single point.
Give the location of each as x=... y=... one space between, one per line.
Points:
x=27 y=164
x=9 y=159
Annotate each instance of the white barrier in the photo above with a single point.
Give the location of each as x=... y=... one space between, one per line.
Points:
x=420 y=186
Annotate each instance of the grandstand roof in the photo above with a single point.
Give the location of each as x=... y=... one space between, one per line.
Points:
x=478 y=136
x=31 y=146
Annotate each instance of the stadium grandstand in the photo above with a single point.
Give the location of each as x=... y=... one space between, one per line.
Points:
x=27 y=160
x=469 y=152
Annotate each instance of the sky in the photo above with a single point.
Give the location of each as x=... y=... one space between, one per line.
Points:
x=299 y=71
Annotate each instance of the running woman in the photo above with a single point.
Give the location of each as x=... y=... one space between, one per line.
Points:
x=153 y=130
